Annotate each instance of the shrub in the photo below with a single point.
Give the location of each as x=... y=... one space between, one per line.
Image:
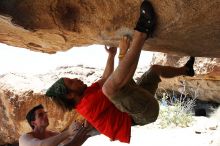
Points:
x=175 y=112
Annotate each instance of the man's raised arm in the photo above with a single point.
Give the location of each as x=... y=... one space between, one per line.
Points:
x=109 y=68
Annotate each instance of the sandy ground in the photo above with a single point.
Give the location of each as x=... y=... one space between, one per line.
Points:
x=150 y=136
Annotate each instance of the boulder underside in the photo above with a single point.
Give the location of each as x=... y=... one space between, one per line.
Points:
x=183 y=28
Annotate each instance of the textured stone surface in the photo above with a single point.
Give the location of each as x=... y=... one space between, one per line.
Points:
x=184 y=27
x=20 y=92
x=205 y=85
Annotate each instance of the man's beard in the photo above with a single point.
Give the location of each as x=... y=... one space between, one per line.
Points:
x=81 y=92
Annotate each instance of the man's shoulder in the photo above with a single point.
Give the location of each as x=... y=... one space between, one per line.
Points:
x=25 y=138
x=28 y=139
x=26 y=135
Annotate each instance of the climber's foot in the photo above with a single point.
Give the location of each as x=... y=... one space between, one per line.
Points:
x=147 y=20
x=189 y=65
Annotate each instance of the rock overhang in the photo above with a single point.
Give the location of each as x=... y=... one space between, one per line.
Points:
x=184 y=27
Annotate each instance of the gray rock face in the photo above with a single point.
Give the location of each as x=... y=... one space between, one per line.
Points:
x=184 y=27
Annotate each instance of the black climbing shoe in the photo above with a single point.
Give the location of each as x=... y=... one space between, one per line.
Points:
x=189 y=64
x=147 y=20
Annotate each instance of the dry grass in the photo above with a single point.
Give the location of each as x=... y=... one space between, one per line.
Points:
x=176 y=112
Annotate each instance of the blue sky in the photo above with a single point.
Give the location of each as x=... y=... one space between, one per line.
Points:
x=13 y=59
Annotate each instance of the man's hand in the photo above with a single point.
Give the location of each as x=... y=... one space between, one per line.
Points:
x=74 y=128
x=111 y=50
x=82 y=135
x=109 y=68
x=124 y=44
x=88 y=126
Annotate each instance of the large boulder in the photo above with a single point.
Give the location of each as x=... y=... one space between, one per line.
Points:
x=184 y=27
x=204 y=85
